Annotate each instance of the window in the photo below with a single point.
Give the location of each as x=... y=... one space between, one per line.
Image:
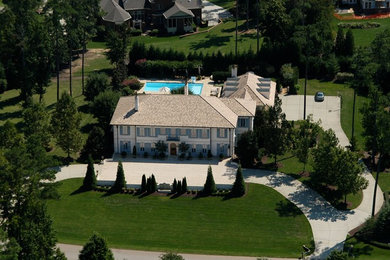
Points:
x=366 y=5
x=171 y=23
x=387 y=4
x=147 y=131
x=183 y=132
x=142 y=148
x=193 y=133
x=124 y=130
x=242 y=122
x=204 y=150
x=193 y=148
x=221 y=133
x=153 y=147
x=187 y=21
x=162 y=131
x=198 y=133
x=205 y=133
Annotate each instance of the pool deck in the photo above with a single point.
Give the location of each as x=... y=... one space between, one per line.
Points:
x=208 y=85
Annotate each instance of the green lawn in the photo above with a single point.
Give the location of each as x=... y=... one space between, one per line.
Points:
x=363 y=37
x=227 y=4
x=334 y=89
x=262 y=223
x=290 y=165
x=362 y=251
x=384 y=181
x=221 y=38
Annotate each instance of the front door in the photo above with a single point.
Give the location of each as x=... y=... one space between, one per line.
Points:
x=173 y=149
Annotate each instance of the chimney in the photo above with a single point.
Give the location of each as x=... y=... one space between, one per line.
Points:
x=136 y=103
x=234 y=71
x=186 y=89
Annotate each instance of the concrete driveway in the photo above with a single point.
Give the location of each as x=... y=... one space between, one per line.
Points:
x=327 y=111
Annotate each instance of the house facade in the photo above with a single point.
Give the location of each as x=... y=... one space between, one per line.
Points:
x=172 y=16
x=369 y=6
x=204 y=123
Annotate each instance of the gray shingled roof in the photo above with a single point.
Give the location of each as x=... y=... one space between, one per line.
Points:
x=261 y=90
x=113 y=12
x=177 y=10
x=135 y=4
x=190 y=4
x=174 y=111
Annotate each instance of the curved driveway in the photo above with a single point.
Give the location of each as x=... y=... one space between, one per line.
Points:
x=329 y=225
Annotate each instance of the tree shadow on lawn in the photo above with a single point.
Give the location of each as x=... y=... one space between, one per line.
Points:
x=240 y=28
x=10 y=101
x=287 y=209
x=10 y=115
x=81 y=189
x=353 y=248
x=211 y=41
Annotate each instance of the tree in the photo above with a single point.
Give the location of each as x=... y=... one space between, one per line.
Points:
x=247 y=149
x=9 y=248
x=183 y=148
x=120 y=181
x=376 y=123
x=275 y=139
x=339 y=47
x=143 y=184
x=289 y=77
x=171 y=256
x=154 y=183
x=209 y=186
x=179 y=187
x=184 y=188
x=37 y=122
x=9 y=136
x=382 y=224
x=96 y=249
x=103 y=107
x=161 y=148
x=94 y=145
x=238 y=188
x=117 y=41
x=349 y=44
x=305 y=139
x=89 y=182
x=65 y=123
x=174 y=186
x=96 y=83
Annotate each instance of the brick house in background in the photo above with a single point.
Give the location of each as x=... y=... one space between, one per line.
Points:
x=171 y=16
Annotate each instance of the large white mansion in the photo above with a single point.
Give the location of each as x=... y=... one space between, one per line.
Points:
x=204 y=123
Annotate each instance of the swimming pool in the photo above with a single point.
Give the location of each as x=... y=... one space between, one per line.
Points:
x=196 y=88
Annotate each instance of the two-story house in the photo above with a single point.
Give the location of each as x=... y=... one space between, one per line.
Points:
x=172 y=16
x=204 y=123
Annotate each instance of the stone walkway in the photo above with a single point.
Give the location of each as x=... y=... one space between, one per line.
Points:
x=330 y=226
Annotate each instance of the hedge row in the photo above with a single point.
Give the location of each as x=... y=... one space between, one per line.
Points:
x=366 y=25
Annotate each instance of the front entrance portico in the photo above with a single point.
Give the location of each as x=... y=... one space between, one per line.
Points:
x=172 y=149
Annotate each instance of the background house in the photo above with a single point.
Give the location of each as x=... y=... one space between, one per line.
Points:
x=368 y=6
x=171 y=16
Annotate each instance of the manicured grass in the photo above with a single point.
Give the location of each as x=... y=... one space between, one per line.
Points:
x=334 y=89
x=384 y=181
x=96 y=45
x=227 y=4
x=262 y=223
x=290 y=165
x=364 y=251
x=221 y=38
x=363 y=37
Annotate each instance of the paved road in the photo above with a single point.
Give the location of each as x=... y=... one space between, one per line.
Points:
x=212 y=13
x=327 y=111
x=329 y=226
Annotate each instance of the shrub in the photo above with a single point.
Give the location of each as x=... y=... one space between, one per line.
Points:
x=89 y=182
x=94 y=145
x=359 y=25
x=189 y=156
x=221 y=156
x=146 y=155
x=184 y=185
x=209 y=186
x=120 y=181
x=135 y=32
x=174 y=186
x=171 y=256
x=143 y=184
x=238 y=189
x=182 y=156
x=123 y=154
x=220 y=76
x=342 y=77
x=154 y=32
x=200 y=156
x=134 y=151
x=96 y=248
x=337 y=255
x=133 y=83
x=209 y=155
x=179 y=187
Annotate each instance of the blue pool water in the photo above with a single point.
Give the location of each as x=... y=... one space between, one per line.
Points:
x=196 y=88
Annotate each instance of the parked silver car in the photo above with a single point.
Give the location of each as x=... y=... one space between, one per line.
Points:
x=319 y=96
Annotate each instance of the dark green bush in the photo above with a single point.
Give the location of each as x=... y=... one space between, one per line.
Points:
x=220 y=76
